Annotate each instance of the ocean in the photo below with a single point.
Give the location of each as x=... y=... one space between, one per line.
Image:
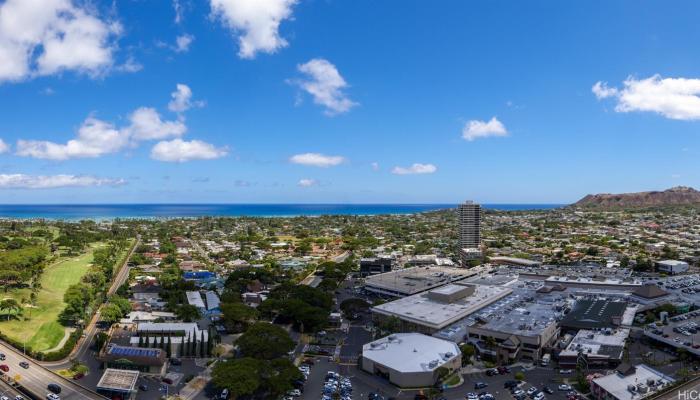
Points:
x=112 y=211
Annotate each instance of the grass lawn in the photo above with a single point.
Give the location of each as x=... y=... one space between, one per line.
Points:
x=41 y=329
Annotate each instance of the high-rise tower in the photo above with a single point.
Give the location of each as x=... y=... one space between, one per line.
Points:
x=469 y=214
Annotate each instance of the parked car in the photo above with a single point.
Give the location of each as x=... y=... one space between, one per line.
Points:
x=547 y=389
x=564 y=387
x=79 y=375
x=566 y=371
x=472 y=396
x=167 y=381
x=4 y=368
x=143 y=387
x=480 y=385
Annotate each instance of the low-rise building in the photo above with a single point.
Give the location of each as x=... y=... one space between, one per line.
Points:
x=600 y=348
x=410 y=359
x=118 y=383
x=375 y=265
x=147 y=360
x=672 y=267
x=629 y=383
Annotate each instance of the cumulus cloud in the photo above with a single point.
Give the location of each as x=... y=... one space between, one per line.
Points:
x=414 y=169
x=178 y=150
x=674 y=98
x=375 y=166
x=179 y=12
x=255 y=23
x=182 y=99
x=325 y=84
x=316 y=160
x=4 y=147
x=306 y=182
x=22 y=181
x=45 y=37
x=146 y=124
x=183 y=42
x=95 y=138
x=476 y=129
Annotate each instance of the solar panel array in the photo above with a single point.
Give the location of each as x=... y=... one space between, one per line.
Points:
x=134 y=351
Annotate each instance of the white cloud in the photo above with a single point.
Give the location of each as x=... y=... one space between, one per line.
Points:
x=476 y=129
x=375 y=166
x=4 y=147
x=177 y=6
x=146 y=124
x=325 y=84
x=183 y=42
x=22 y=181
x=674 y=98
x=95 y=138
x=182 y=99
x=45 y=37
x=255 y=23
x=414 y=169
x=178 y=150
x=602 y=91
x=130 y=66
x=316 y=160
x=307 y=182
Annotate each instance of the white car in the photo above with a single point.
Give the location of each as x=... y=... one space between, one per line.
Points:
x=52 y=396
x=565 y=371
x=564 y=387
x=539 y=396
x=4 y=398
x=295 y=393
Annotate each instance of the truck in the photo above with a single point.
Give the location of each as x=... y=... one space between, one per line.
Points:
x=545 y=360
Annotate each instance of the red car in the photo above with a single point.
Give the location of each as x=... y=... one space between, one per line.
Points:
x=79 y=375
x=4 y=368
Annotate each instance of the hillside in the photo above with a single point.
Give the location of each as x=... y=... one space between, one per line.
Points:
x=677 y=196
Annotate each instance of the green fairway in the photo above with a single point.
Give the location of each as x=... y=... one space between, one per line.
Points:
x=42 y=331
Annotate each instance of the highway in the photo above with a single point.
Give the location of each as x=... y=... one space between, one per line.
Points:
x=9 y=391
x=36 y=378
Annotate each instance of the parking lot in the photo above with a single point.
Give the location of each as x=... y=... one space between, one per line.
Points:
x=682 y=332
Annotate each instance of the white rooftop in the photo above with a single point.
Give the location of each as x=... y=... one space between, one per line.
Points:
x=592 y=342
x=411 y=352
x=118 y=380
x=617 y=385
x=423 y=310
x=195 y=299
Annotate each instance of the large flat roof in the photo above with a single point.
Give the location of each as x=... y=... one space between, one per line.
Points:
x=408 y=281
x=590 y=314
x=412 y=280
x=423 y=310
x=599 y=343
x=617 y=384
x=121 y=380
x=411 y=352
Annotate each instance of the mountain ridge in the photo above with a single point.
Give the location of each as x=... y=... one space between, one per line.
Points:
x=675 y=196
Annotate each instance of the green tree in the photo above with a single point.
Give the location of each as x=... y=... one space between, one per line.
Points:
x=265 y=341
x=240 y=376
x=237 y=316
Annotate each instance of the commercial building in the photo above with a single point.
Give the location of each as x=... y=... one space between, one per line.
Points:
x=437 y=308
x=595 y=314
x=469 y=215
x=519 y=326
x=518 y=262
x=409 y=281
x=598 y=349
x=148 y=360
x=185 y=338
x=118 y=383
x=375 y=265
x=672 y=266
x=629 y=383
x=410 y=359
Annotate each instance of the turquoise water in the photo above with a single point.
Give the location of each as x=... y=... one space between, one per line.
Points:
x=111 y=211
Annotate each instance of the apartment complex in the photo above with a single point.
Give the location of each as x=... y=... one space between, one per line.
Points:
x=469 y=214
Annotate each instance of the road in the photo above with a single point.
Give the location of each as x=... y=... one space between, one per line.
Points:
x=9 y=391
x=341 y=257
x=36 y=378
x=90 y=331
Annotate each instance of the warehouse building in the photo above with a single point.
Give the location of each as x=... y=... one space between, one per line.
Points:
x=409 y=281
x=410 y=359
x=630 y=383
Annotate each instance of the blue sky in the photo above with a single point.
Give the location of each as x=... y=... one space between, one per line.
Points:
x=283 y=101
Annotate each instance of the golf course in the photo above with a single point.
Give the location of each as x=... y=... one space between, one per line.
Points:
x=39 y=325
